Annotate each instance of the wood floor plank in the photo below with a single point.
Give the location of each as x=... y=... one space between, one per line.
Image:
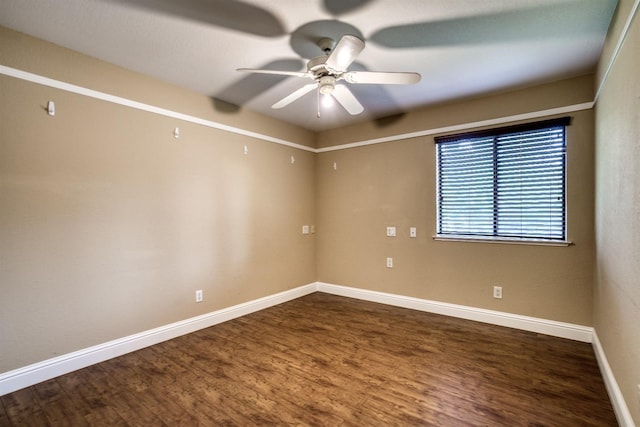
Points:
x=4 y=418
x=60 y=407
x=96 y=408
x=23 y=408
x=224 y=389
x=334 y=361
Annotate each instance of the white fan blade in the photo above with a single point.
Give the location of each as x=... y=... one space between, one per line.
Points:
x=369 y=77
x=295 y=95
x=344 y=96
x=280 y=73
x=345 y=52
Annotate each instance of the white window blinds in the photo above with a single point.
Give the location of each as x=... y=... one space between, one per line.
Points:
x=508 y=182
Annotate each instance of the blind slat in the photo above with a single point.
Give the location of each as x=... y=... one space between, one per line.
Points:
x=507 y=182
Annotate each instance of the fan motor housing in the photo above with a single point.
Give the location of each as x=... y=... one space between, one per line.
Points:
x=316 y=65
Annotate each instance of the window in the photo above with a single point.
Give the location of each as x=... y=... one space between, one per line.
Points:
x=504 y=183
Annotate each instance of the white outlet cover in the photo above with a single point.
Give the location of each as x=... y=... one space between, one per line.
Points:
x=391 y=232
x=497 y=292
x=305 y=229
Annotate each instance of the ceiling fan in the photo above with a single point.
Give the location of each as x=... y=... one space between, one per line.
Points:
x=331 y=67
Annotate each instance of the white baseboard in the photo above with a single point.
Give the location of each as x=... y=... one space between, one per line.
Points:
x=32 y=374
x=615 y=395
x=51 y=368
x=526 y=323
x=532 y=324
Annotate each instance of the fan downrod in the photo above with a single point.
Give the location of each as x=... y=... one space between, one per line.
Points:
x=326 y=44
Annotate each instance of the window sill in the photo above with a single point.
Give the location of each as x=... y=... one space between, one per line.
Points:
x=504 y=240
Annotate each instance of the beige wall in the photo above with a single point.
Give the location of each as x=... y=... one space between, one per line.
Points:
x=393 y=184
x=108 y=224
x=35 y=56
x=617 y=284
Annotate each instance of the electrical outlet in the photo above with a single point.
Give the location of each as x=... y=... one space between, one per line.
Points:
x=199 y=296
x=497 y=292
x=389 y=262
x=391 y=232
x=305 y=229
x=413 y=232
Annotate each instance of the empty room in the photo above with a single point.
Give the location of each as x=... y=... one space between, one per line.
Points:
x=323 y=212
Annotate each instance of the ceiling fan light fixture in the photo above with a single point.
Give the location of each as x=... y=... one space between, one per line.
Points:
x=327 y=85
x=327 y=101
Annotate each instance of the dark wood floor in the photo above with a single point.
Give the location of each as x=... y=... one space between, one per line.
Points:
x=328 y=360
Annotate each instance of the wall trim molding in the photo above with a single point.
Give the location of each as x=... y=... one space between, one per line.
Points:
x=46 y=81
x=617 y=49
x=499 y=318
x=463 y=126
x=79 y=90
x=42 y=371
x=615 y=394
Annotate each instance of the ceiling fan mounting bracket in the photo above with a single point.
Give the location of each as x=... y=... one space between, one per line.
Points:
x=326 y=44
x=316 y=64
x=317 y=67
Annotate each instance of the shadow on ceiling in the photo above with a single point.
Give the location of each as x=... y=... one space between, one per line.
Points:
x=339 y=7
x=565 y=19
x=238 y=94
x=229 y=14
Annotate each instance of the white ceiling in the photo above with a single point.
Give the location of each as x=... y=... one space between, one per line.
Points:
x=461 y=48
